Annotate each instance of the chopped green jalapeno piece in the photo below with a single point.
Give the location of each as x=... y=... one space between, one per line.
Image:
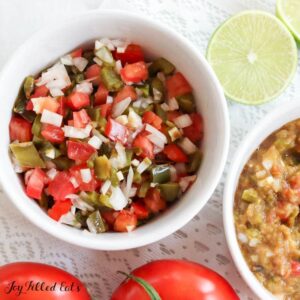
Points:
x=194 y=162
x=169 y=191
x=111 y=79
x=37 y=141
x=186 y=103
x=80 y=218
x=28 y=86
x=143 y=90
x=129 y=154
x=92 y=198
x=161 y=65
x=106 y=149
x=104 y=201
x=63 y=163
x=79 y=77
x=161 y=174
x=143 y=189
x=89 y=55
x=250 y=195
x=114 y=178
x=137 y=177
x=20 y=108
x=102 y=167
x=37 y=126
x=160 y=112
x=27 y=155
x=95 y=223
x=157 y=89
x=105 y=55
x=49 y=151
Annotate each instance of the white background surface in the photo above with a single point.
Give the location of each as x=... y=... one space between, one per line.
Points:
x=202 y=240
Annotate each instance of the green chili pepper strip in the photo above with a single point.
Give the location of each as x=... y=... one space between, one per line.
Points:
x=161 y=65
x=111 y=79
x=37 y=126
x=114 y=178
x=102 y=167
x=157 y=86
x=28 y=86
x=147 y=286
x=63 y=163
x=160 y=112
x=194 y=162
x=161 y=174
x=27 y=155
x=186 y=103
x=97 y=221
x=104 y=201
x=144 y=90
x=143 y=189
x=20 y=108
x=169 y=191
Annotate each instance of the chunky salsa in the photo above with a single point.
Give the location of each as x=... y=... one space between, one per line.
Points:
x=105 y=140
x=266 y=212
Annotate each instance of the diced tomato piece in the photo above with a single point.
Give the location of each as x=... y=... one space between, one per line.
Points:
x=132 y=54
x=79 y=150
x=78 y=100
x=177 y=85
x=105 y=109
x=81 y=118
x=140 y=210
x=59 y=209
x=134 y=72
x=76 y=53
x=175 y=153
x=20 y=129
x=125 y=92
x=62 y=105
x=172 y=115
x=53 y=133
x=48 y=103
x=109 y=216
x=141 y=141
x=152 y=119
x=295 y=182
x=195 y=131
x=35 y=184
x=153 y=201
x=295 y=268
x=116 y=131
x=84 y=186
x=40 y=91
x=93 y=71
x=101 y=95
x=61 y=186
x=29 y=105
x=125 y=221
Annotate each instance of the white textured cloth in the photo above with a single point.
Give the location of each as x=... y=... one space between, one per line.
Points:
x=203 y=239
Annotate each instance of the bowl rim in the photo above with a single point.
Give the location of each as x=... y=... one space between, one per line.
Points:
x=131 y=243
x=252 y=140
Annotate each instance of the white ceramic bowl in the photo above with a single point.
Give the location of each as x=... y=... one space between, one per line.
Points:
x=273 y=121
x=48 y=45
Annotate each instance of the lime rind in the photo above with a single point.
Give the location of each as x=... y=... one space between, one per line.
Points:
x=260 y=71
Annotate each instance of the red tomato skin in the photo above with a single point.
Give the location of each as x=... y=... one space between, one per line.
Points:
x=152 y=119
x=101 y=95
x=78 y=100
x=116 y=131
x=177 y=85
x=195 y=131
x=105 y=109
x=134 y=72
x=154 y=202
x=62 y=105
x=295 y=268
x=124 y=221
x=126 y=91
x=81 y=118
x=140 y=210
x=177 y=280
x=59 y=208
x=53 y=133
x=144 y=144
x=79 y=150
x=83 y=186
x=24 y=272
x=175 y=153
x=29 y=105
x=132 y=54
x=77 y=53
x=40 y=91
x=35 y=184
x=93 y=71
x=20 y=129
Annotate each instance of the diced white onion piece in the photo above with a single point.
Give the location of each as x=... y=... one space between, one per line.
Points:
x=153 y=184
x=38 y=103
x=161 y=76
x=50 y=153
x=86 y=175
x=129 y=182
x=134 y=120
x=98 y=61
x=56 y=84
x=27 y=176
x=157 y=149
x=180 y=168
x=105 y=55
x=17 y=168
x=146 y=102
x=135 y=162
x=132 y=192
x=119 y=43
x=105 y=187
x=267 y=163
x=50 y=165
x=95 y=142
x=261 y=174
x=118 y=200
x=69 y=219
x=84 y=87
x=157 y=94
x=156 y=132
x=120 y=175
x=183 y=121
x=121 y=49
x=242 y=237
x=109 y=99
x=81 y=204
x=143 y=166
x=156 y=140
x=118 y=66
x=52 y=118
x=56 y=92
x=72 y=196
x=253 y=242
x=187 y=146
x=91 y=225
x=165 y=107
x=173 y=104
x=173 y=173
x=122 y=158
x=137 y=103
x=98 y=45
x=174 y=133
x=108 y=43
x=100 y=136
x=123 y=119
x=74 y=182
x=80 y=63
x=67 y=60
x=77 y=133
x=120 y=107
x=185 y=182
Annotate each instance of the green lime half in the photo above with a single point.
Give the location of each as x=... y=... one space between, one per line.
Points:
x=254 y=57
x=289 y=12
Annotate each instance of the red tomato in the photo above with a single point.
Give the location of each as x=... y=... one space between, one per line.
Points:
x=78 y=100
x=175 y=153
x=20 y=129
x=53 y=133
x=94 y=71
x=61 y=186
x=81 y=118
x=29 y=105
x=153 y=201
x=62 y=105
x=132 y=54
x=35 y=184
x=125 y=221
x=109 y=216
x=116 y=131
x=101 y=95
x=84 y=186
x=40 y=91
x=79 y=150
x=126 y=91
x=22 y=273
x=176 y=280
x=195 y=131
x=140 y=210
x=59 y=208
x=76 y=53
x=295 y=268
x=105 y=109
x=172 y=115
x=144 y=144
x=134 y=72
x=152 y=119
x=177 y=85
x=48 y=103
x=295 y=182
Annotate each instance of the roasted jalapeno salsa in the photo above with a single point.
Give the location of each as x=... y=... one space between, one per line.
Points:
x=105 y=140
x=266 y=212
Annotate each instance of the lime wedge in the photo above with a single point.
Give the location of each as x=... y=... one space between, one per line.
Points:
x=289 y=12
x=254 y=57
